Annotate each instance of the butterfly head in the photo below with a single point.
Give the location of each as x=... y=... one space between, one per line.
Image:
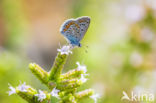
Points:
x=79 y=45
x=75 y=45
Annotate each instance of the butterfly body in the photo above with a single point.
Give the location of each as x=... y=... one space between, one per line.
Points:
x=74 y=30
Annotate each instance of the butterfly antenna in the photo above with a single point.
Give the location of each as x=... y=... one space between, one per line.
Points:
x=86 y=48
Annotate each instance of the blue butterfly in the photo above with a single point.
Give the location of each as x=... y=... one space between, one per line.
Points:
x=74 y=30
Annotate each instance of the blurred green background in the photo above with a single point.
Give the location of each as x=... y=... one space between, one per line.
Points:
x=121 y=39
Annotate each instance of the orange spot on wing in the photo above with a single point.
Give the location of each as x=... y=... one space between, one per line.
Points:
x=77 y=25
x=68 y=25
x=80 y=21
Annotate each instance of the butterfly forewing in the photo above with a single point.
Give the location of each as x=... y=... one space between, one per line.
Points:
x=83 y=22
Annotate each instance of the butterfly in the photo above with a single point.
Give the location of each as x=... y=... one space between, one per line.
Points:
x=74 y=30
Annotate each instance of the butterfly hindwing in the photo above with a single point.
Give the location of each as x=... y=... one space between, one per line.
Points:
x=71 y=31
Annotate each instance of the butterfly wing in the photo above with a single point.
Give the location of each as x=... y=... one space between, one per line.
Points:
x=83 y=23
x=75 y=29
x=71 y=31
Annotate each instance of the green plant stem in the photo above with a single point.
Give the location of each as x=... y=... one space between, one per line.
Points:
x=40 y=73
x=57 y=68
